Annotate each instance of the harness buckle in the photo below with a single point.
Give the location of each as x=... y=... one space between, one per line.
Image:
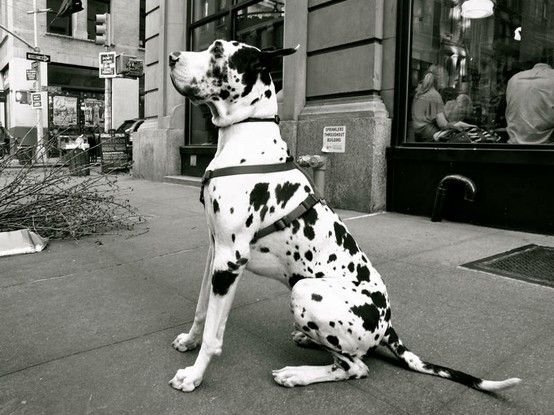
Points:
x=280 y=224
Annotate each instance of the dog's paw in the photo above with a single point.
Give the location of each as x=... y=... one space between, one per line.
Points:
x=303 y=341
x=185 y=341
x=290 y=376
x=186 y=380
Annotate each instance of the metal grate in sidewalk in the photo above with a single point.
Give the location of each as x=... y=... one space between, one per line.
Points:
x=533 y=263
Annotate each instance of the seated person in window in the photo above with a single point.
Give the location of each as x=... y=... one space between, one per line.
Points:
x=530 y=106
x=458 y=109
x=428 y=116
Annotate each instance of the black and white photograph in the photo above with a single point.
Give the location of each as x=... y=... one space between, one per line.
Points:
x=294 y=207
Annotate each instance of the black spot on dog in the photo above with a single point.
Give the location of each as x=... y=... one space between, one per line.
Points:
x=334 y=341
x=369 y=315
x=305 y=328
x=344 y=364
x=216 y=206
x=295 y=226
x=387 y=315
x=317 y=297
x=244 y=62
x=391 y=334
x=224 y=94
x=263 y=212
x=237 y=254
x=344 y=239
x=351 y=267
x=363 y=274
x=254 y=101
x=267 y=93
x=242 y=161
x=259 y=195
x=233 y=237
x=319 y=274
x=249 y=220
x=285 y=192
x=272 y=209
x=310 y=218
x=312 y=325
x=379 y=299
x=217 y=50
x=309 y=256
x=332 y=323
x=232 y=210
x=307 y=189
x=232 y=266
x=264 y=249
x=294 y=278
x=332 y=258
x=221 y=281
x=296 y=256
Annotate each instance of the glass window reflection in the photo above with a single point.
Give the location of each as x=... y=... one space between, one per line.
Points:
x=484 y=79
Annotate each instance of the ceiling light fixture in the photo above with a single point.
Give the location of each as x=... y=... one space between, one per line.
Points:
x=477 y=9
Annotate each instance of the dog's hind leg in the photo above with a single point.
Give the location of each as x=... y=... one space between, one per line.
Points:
x=191 y=340
x=344 y=367
x=228 y=265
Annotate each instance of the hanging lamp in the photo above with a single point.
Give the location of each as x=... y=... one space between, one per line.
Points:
x=477 y=9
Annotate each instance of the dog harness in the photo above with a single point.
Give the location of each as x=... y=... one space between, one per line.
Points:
x=308 y=203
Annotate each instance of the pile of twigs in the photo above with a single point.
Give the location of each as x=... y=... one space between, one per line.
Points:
x=53 y=202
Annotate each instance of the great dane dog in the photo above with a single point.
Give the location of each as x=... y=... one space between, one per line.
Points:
x=338 y=299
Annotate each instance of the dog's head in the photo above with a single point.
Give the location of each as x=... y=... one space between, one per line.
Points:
x=231 y=77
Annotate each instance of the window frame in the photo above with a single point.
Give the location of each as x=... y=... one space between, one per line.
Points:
x=53 y=14
x=404 y=38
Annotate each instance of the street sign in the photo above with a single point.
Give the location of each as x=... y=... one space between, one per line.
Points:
x=31 y=75
x=38 y=100
x=106 y=65
x=35 y=64
x=38 y=57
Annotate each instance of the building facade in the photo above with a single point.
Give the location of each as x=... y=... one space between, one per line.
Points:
x=421 y=89
x=75 y=91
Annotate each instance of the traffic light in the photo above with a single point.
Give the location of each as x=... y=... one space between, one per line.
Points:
x=103 y=29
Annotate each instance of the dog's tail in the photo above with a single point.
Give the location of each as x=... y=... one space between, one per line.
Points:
x=413 y=361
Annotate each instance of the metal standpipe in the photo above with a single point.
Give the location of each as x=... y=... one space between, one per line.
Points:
x=469 y=195
x=319 y=164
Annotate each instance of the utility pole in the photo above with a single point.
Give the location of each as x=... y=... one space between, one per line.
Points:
x=104 y=36
x=41 y=145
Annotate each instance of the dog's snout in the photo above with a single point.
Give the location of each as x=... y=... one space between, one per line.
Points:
x=173 y=58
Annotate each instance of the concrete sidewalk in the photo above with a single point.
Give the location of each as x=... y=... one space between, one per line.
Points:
x=86 y=326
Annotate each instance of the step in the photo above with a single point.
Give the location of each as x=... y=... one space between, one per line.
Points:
x=184 y=180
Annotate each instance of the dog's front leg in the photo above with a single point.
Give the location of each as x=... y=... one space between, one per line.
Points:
x=228 y=266
x=191 y=340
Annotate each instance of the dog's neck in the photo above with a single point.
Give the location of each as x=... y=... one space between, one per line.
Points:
x=249 y=143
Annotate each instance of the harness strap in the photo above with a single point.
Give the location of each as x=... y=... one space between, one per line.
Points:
x=308 y=203
x=274 y=119
x=249 y=169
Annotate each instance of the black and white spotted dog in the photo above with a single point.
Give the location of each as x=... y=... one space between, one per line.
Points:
x=338 y=299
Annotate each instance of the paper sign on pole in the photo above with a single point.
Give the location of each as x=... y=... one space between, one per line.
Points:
x=106 y=65
x=38 y=100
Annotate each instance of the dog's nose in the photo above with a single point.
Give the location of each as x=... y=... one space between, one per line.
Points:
x=173 y=58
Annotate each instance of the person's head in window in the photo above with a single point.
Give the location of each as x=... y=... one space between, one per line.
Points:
x=434 y=78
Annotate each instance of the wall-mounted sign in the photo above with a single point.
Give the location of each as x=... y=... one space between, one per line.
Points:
x=31 y=75
x=129 y=66
x=106 y=65
x=334 y=139
x=38 y=57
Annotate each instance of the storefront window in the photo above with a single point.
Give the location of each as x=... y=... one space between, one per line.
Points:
x=481 y=72
x=259 y=24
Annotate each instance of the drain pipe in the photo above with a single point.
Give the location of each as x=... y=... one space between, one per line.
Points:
x=469 y=195
x=319 y=164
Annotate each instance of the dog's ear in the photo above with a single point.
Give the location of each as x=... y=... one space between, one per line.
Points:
x=270 y=53
x=267 y=56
